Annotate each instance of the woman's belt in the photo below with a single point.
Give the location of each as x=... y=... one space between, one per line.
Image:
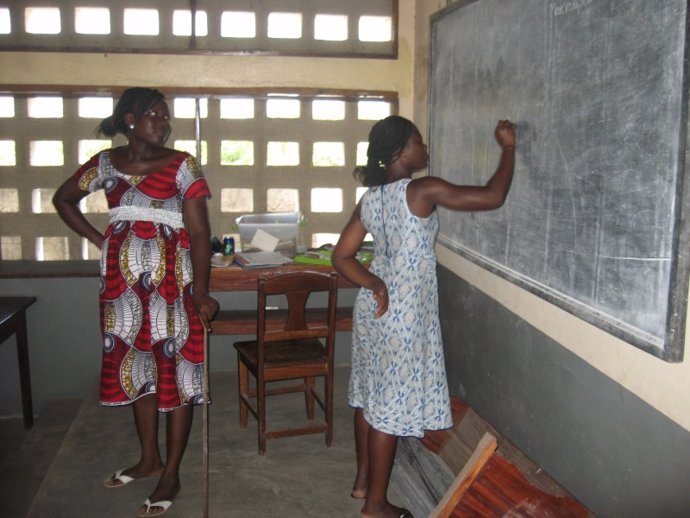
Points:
x=161 y=216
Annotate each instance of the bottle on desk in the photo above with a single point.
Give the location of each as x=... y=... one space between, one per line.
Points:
x=229 y=246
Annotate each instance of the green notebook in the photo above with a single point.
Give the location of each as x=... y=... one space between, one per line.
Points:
x=322 y=256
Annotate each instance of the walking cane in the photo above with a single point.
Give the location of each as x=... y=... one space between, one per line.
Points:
x=205 y=429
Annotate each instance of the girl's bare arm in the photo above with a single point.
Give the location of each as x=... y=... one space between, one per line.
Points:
x=426 y=192
x=345 y=262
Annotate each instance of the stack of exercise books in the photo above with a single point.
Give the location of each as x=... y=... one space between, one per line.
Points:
x=261 y=259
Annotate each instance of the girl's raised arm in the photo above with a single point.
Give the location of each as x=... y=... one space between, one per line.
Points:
x=426 y=192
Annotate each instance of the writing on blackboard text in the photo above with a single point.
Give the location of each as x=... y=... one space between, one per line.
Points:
x=559 y=9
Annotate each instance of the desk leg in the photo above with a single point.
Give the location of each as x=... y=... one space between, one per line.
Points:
x=24 y=372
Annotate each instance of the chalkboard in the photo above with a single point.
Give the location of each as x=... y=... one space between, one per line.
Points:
x=595 y=219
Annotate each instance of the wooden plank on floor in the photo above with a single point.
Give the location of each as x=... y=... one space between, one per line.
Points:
x=485 y=449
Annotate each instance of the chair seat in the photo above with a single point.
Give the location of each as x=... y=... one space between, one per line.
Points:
x=284 y=354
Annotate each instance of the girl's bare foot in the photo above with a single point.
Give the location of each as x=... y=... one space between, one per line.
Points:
x=390 y=511
x=359 y=488
x=359 y=493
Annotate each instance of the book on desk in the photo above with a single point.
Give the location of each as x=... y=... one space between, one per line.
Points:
x=322 y=256
x=261 y=259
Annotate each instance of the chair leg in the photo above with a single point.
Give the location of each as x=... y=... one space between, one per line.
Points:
x=328 y=390
x=243 y=377
x=261 y=414
x=309 y=396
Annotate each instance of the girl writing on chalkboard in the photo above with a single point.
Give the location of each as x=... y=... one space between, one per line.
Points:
x=398 y=382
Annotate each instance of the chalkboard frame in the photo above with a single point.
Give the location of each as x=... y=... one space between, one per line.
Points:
x=672 y=349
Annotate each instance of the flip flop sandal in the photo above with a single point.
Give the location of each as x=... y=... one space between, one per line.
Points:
x=165 y=504
x=117 y=480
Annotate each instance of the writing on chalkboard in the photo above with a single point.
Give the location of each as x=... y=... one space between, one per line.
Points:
x=569 y=6
x=593 y=222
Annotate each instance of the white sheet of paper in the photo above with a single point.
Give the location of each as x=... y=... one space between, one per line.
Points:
x=264 y=241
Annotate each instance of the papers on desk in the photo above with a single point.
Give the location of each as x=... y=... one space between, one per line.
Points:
x=259 y=259
x=222 y=261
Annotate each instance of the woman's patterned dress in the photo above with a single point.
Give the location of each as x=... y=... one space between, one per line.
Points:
x=398 y=373
x=152 y=338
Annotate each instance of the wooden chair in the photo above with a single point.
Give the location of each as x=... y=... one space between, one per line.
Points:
x=295 y=352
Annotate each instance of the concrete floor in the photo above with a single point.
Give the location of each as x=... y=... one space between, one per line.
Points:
x=57 y=469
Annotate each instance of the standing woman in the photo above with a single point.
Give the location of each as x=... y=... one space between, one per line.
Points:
x=154 y=300
x=398 y=381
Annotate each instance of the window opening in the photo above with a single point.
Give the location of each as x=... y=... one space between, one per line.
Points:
x=326 y=199
x=330 y=27
x=6 y=106
x=283 y=108
x=236 y=152
x=373 y=110
x=41 y=201
x=238 y=24
x=95 y=107
x=141 y=22
x=42 y=20
x=45 y=107
x=285 y=25
x=44 y=153
x=242 y=108
x=92 y=20
x=5 y=22
x=182 y=23
x=375 y=28
x=237 y=200
x=9 y=200
x=328 y=109
x=282 y=200
x=328 y=154
x=282 y=153
x=185 y=108
x=8 y=153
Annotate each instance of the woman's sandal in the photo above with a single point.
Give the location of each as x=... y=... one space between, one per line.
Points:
x=117 y=480
x=163 y=504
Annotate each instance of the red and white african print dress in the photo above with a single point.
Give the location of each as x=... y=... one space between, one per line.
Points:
x=152 y=338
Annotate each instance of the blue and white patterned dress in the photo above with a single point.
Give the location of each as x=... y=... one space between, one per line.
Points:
x=398 y=374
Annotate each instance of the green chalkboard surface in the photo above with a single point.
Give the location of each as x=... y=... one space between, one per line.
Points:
x=595 y=220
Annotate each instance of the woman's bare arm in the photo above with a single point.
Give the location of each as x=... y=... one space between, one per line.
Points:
x=66 y=201
x=195 y=214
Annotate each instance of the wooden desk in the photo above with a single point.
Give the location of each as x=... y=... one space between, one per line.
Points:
x=13 y=322
x=243 y=321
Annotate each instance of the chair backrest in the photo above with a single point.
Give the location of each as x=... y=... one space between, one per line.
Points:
x=297 y=287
